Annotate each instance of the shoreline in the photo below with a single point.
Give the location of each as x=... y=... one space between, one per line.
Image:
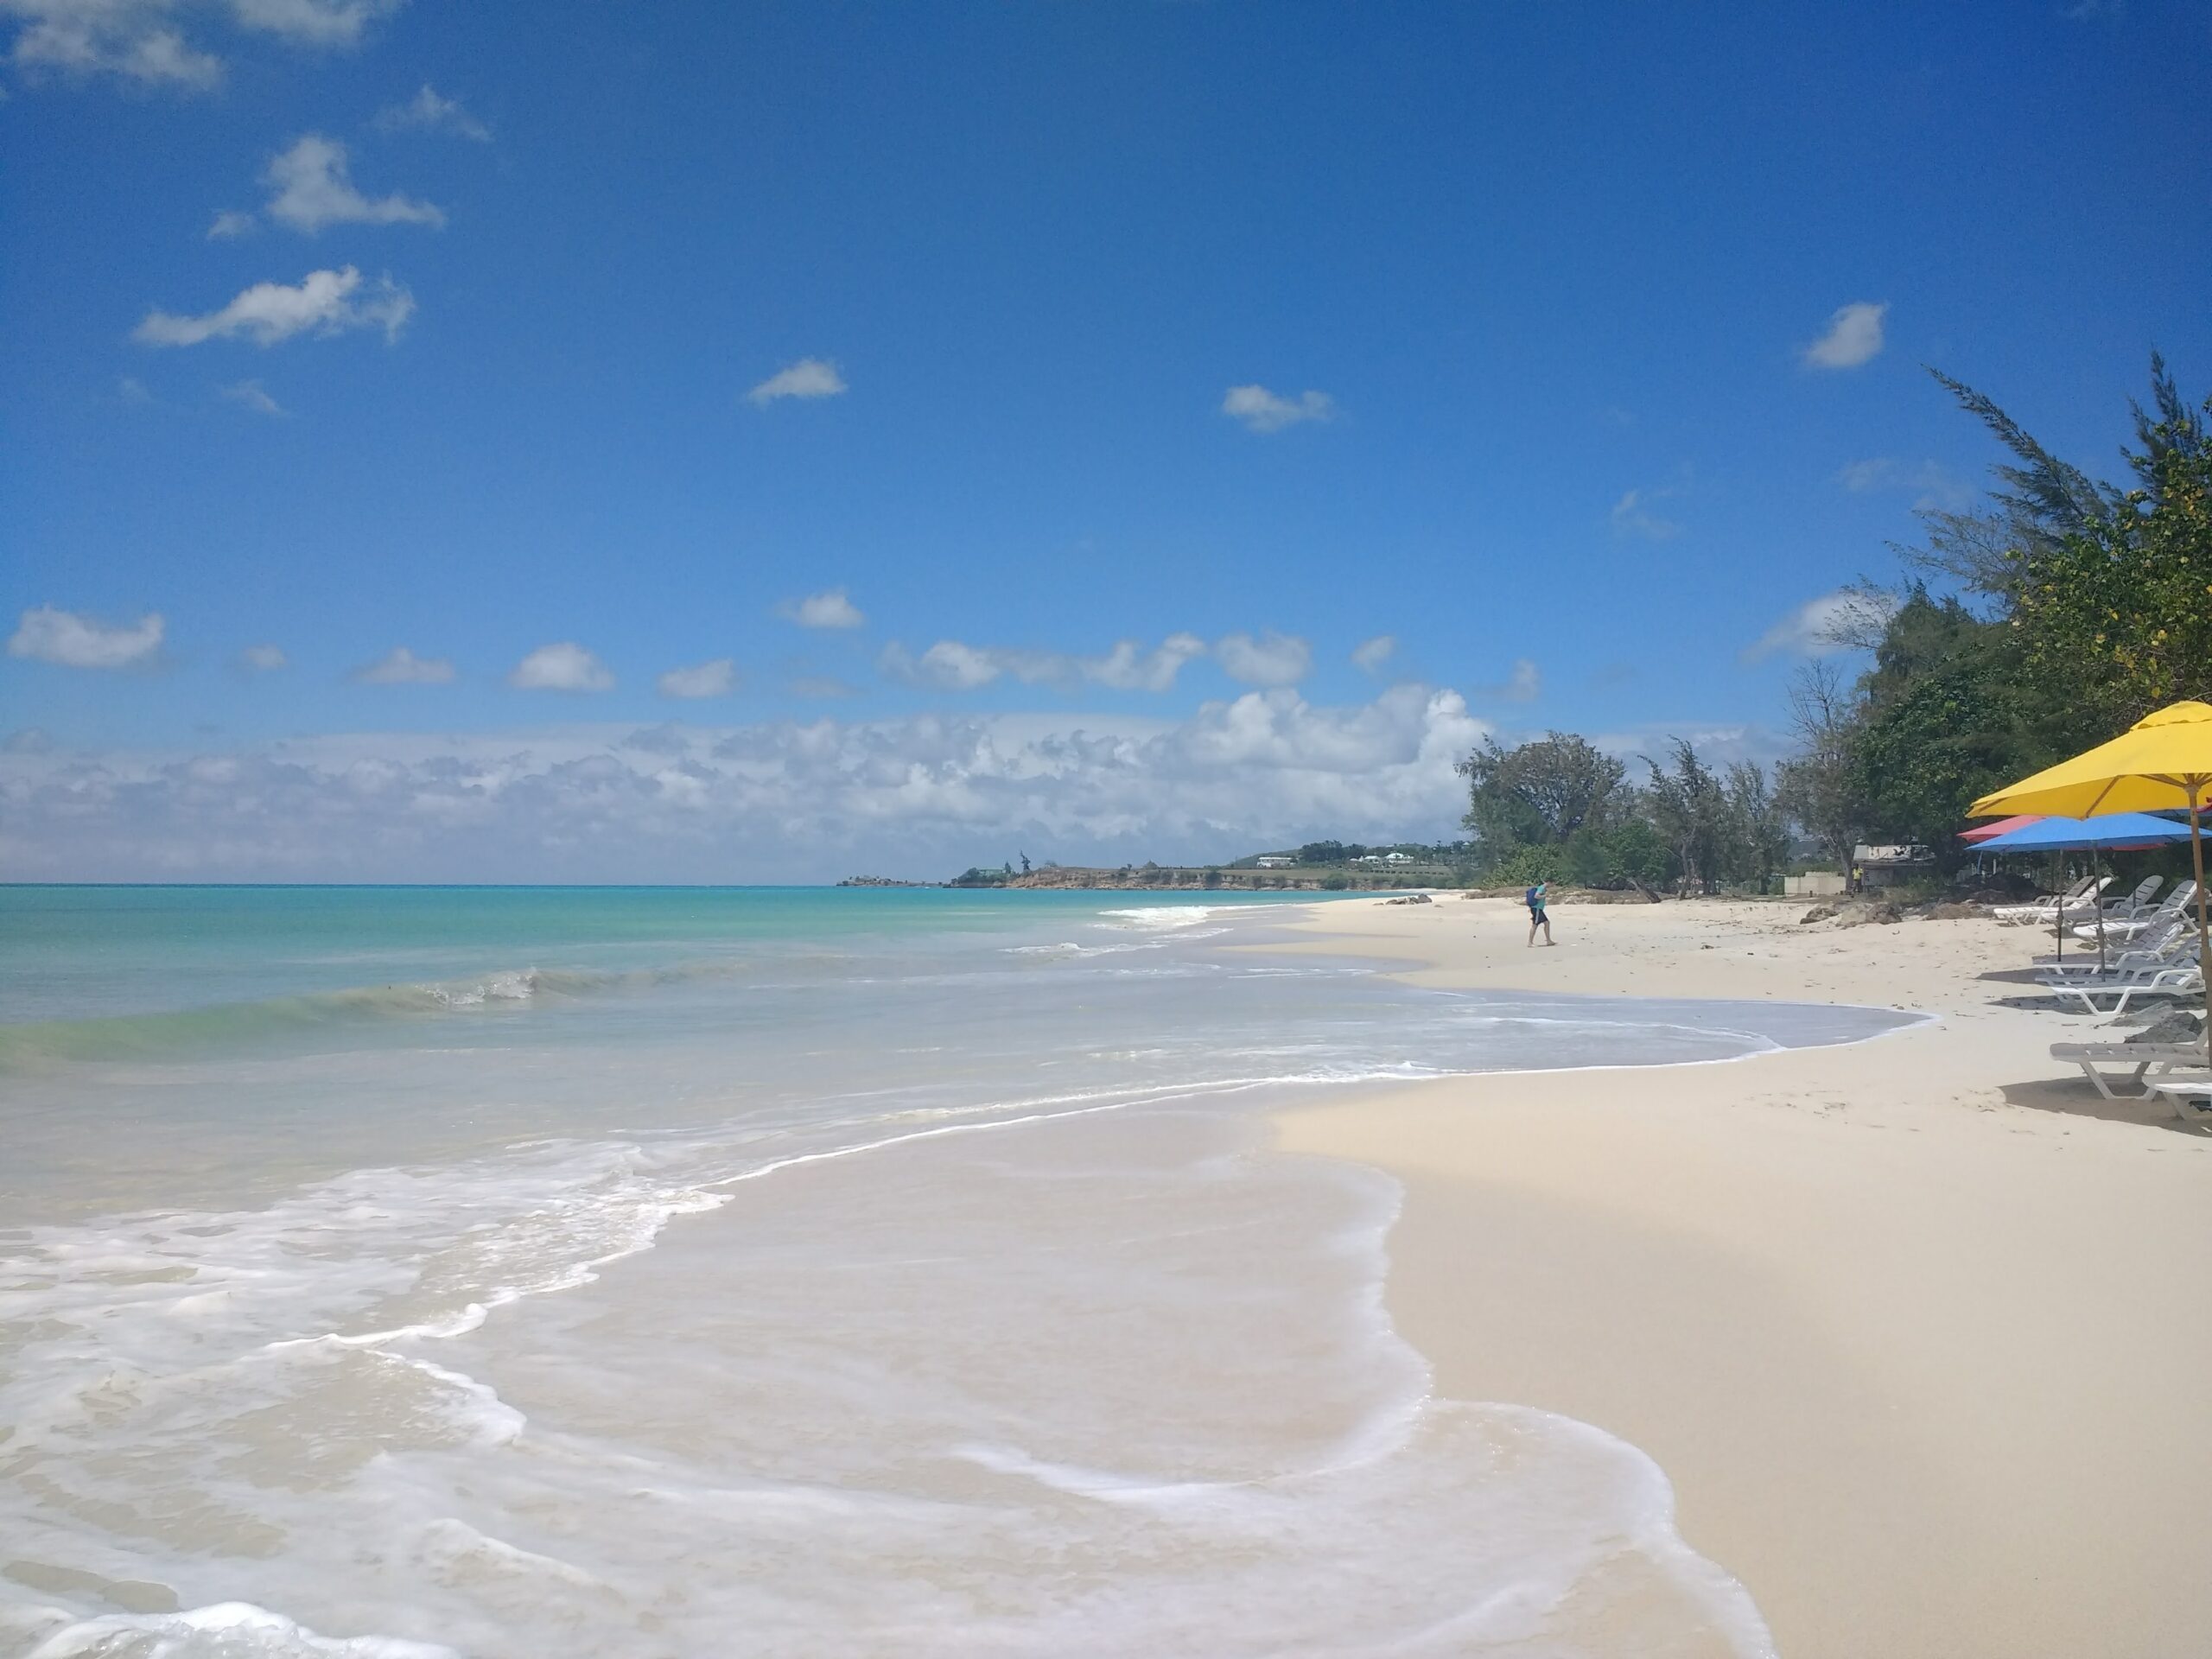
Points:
x=1909 y=1325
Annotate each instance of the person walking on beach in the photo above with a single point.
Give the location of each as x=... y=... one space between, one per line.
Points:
x=1535 y=897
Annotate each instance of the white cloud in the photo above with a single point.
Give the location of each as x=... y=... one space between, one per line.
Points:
x=794 y=800
x=1262 y=410
x=129 y=39
x=262 y=659
x=311 y=185
x=48 y=635
x=1632 y=516
x=1369 y=655
x=811 y=377
x=950 y=665
x=312 y=23
x=28 y=740
x=253 y=396
x=131 y=390
x=139 y=40
x=1933 y=486
x=231 y=223
x=325 y=302
x=1271 y=659
x=563 y=667
x=709 y=679
x=430 y=111
x=403 y=667
x=1823 y=627
x=1524 y=685
x=1854 y=337
x=831 y=609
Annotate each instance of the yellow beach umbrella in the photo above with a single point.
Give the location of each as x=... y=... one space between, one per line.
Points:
x=2161 y=762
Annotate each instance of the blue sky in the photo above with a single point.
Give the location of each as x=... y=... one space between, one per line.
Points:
x=1247 y=335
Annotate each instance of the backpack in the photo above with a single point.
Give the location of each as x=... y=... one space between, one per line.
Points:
x=1530 y=898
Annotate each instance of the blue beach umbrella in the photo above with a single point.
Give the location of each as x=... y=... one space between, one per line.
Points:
x=2119 y=832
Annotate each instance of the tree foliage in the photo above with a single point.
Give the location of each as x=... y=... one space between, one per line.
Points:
x=1561 y=809
x=2120 y=615
x=1541 y=792
x=2097 y=609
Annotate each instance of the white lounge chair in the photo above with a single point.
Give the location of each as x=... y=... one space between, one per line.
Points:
x=2046 y=910
x=2152 y=1061
x=2165 y=981
x=2190 y=1094
x=2132 y=904
x=2177 y=907
x=2176 y=947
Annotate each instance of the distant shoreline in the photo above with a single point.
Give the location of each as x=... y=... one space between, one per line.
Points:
x=1154 y=878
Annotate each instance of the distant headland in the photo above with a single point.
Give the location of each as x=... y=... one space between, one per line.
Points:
x=1318 y=867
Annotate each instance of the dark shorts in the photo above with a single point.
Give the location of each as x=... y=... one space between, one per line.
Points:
x=1537 y=914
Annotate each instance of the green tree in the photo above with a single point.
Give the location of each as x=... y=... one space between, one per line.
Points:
x=1816 y=788
x=1689 y=805
x=2120 y=615
x=1759 y=830
x=1539 y=793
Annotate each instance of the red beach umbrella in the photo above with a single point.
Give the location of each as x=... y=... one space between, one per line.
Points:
x=1982 y=832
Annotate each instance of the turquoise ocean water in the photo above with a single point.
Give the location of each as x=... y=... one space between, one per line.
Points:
x=430 y=1271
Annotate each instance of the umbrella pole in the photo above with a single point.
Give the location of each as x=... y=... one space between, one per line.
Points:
x=2203 y=933
x=2097 y=897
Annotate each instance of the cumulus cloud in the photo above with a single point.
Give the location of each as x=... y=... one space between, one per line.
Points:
x=796 y=800
x=811 y=377
x=1833 y=622
x=428 y=111
x=262 y=659
x=1854 y=337
x=28 y=740
x=566 y=666
x=48 y=635
x=324 y=302
x=1271 y=659
x=952 y=665
x=1633 y=515
x=710 y=679
x=253 y=396
x=824 y=610
x=134 y=42
x=1262 y=410
x=133 y=391
x=139 y=40
x=1522 y=684
x=1370 y=655
x=311 y=185
x=403 y=667
x=230 y=223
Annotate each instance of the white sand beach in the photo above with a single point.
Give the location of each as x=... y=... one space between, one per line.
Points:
x=1917 y=1327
